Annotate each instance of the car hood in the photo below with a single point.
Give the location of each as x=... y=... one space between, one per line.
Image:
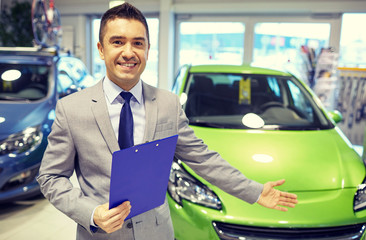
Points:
x=308 y=160
x=15 y=117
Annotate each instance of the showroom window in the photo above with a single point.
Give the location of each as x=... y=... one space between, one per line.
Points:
x=353 y=41
x=277 y=44
x=211 y=43
x=150 y=75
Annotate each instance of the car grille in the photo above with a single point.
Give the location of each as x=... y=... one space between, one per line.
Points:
x=231 y=232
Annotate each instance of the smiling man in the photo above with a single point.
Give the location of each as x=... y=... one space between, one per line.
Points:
x=88 y=129
x=124 y=46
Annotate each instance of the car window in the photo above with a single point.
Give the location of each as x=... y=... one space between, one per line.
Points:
x=179 y=79
x=23 y=81
x=300 y=102
x=226 y=100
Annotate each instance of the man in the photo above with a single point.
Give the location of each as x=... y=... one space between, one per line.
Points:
x=85 y=132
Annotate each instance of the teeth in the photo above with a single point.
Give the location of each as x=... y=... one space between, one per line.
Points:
x=128 y=64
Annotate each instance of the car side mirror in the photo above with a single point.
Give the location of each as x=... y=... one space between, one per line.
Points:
x=335 y=115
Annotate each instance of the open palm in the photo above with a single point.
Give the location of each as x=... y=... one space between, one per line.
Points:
x=275 y=199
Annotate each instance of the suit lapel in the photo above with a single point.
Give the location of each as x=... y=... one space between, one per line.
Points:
x=101 y=114
x=151 y=111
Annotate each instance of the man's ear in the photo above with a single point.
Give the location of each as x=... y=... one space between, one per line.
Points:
x=100 y=50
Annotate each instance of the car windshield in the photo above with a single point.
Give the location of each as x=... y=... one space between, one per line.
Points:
x=251 y=101
x=23 y=82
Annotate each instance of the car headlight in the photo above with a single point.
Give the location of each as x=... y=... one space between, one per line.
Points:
x=21 y=142
x=182 y=185
x=359 y=202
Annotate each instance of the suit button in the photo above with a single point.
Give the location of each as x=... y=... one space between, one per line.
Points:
x=129 y=225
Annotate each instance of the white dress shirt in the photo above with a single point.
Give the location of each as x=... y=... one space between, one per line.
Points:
x=115 y=103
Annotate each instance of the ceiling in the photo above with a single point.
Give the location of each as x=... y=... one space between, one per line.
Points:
x=219 y=6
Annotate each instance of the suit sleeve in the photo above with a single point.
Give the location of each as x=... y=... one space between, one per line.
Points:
x=211 y=166
x=58 y=165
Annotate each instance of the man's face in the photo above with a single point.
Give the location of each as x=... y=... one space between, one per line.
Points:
x=125 y=51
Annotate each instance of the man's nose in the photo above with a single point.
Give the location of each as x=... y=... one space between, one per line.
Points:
x=127 y=51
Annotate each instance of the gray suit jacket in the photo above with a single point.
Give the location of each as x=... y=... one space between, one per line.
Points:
x=82 y=139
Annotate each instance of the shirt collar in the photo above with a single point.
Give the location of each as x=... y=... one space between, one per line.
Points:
x=112 y=90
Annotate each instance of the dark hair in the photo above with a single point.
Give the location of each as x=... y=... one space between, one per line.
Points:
x=126 y=11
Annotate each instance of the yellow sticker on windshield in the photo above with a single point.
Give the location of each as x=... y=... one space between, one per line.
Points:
x=244 y=91
x=7 y=86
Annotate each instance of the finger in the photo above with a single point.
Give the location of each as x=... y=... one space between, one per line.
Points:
x=119 y=209
x=125 y=210
x=287 y=204
x=117 y=222
x=291 y=201
x=123 y=206
x=126 y=213
x=288 y=200
x=113 y=228
x=288 y=195
x=278 y=183
x=283 y=209
x=115 y=216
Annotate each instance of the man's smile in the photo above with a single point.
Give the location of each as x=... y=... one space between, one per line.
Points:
x=128 y=65
x=125 y=51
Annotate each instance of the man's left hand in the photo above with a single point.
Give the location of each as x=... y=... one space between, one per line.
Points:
x=275 y=199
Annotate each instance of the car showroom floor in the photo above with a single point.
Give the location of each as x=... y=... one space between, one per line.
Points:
x=35 y=218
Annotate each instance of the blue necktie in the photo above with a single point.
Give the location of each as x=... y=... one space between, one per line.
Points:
x=125 y=131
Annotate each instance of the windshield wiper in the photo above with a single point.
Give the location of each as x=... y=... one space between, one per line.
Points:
x=206 y=124
x=299 y=128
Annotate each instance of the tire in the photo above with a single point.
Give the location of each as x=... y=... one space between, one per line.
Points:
x=39 y=23
x=54 y=31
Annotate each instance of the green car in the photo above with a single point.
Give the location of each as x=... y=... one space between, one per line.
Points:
x=270 y=126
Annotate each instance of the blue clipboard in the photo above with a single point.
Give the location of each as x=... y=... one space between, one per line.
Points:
x=140 y=174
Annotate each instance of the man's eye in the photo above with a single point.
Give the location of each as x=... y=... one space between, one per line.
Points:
x=118 y=42
x=139 y=43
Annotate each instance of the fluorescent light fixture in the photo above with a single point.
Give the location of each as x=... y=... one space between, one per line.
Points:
x=11 y=75
x=114 y=3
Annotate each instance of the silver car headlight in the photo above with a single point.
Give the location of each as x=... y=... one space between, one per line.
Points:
x=359 y=202
x=21 y=142
x=182 y=185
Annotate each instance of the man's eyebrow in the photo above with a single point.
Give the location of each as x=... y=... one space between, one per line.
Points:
x=112 y=38
x=140 y=38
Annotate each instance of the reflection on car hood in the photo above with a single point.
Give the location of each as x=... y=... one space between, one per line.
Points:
x=308 y=160
x=15 y=117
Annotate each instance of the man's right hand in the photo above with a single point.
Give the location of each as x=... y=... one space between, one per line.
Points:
x=111 y=220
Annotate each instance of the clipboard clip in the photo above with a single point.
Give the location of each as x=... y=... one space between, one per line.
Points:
x=137 y=145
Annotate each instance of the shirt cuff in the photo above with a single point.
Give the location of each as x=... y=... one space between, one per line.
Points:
x=93 y=226
x=258 y=198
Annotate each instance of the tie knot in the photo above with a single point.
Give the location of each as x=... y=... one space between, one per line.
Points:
x=126 y=96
